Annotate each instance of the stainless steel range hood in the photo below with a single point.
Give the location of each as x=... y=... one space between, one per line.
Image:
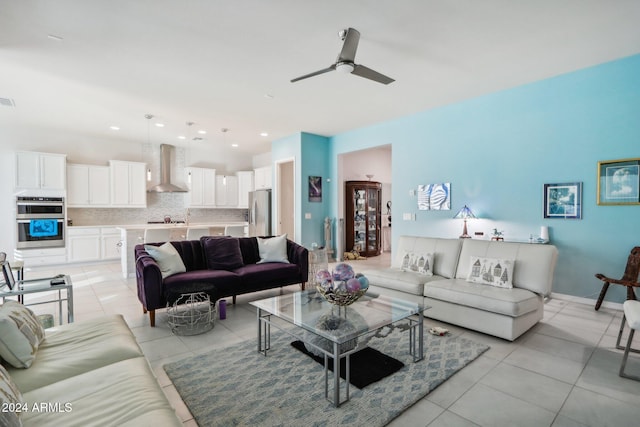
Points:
x=165 y=186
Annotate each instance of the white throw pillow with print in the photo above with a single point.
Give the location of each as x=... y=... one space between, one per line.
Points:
x=491 y=271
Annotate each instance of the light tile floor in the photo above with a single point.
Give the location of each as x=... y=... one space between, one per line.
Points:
x=562 y=373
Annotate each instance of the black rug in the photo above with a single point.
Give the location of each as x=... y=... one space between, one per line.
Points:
x=367 y=365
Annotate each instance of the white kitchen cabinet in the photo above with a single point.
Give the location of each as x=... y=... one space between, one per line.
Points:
x=227 y=191
x=38 y=257
x=110 y=243
x=262 y=179
x=43 y=171
x=88 y=186
x=245 y=186
x=83 y=244
x=128 y=184
x=202 y=188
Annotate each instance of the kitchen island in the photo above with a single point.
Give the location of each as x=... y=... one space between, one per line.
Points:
x=132 y=235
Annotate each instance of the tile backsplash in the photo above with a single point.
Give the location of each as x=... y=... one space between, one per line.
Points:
x=158 y=206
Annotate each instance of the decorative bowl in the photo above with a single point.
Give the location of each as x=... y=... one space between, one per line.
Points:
x=340 y=297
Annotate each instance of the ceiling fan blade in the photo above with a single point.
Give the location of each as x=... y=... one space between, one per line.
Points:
x=368 y=73
x=306 y=76
x=350 y=46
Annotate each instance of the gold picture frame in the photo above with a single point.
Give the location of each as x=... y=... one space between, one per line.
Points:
x=619 y=182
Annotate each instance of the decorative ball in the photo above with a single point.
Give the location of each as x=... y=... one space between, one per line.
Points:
x=343 y=272
x=353 y=285
x=323 y=276
x=364 y=282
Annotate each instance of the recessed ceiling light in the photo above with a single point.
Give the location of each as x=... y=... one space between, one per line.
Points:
x=264 y=134
x=54 y=37
x=114 y=127
x=160 y=125
x=197 y=138
x=234 y=145
x=182 y=137
x=202 y=132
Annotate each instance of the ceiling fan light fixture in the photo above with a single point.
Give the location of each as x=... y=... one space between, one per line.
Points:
x=345 y=67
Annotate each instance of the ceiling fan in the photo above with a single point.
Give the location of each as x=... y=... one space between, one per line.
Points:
x=345 y=61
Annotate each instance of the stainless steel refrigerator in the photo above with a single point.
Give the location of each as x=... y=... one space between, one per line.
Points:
x=260 y=213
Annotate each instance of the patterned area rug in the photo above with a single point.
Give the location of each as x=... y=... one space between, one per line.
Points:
x=237 y=386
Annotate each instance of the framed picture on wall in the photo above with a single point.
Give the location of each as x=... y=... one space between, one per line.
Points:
x=434 y=197
x=315 y=188
x=618 y=182
x=563 y=200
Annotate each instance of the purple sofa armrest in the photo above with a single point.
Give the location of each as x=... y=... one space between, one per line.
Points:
x=299 y=255
x=148 y=280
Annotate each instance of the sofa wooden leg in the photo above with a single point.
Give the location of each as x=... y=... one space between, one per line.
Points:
x=144 y=310
x=234 y=300
x=152 y=318
x=303 y=285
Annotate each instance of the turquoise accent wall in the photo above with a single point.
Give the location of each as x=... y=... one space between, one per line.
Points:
x=315 y=162
x=498 y=151
x=311 y=154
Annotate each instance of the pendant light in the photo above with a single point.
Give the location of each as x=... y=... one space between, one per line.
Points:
x=148 y=117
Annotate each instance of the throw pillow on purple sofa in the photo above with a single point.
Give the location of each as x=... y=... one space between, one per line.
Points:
x=222 y=253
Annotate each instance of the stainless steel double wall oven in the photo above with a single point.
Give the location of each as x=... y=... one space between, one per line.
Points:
x=40 y=222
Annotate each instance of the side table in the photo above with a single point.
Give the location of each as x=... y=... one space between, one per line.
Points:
x=27 y=287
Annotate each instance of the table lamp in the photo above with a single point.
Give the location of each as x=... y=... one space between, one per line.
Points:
x=464 y=213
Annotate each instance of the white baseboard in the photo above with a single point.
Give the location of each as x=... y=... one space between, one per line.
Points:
x=586 y=301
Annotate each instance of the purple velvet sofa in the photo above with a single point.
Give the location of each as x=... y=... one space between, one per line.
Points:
x=215 y=264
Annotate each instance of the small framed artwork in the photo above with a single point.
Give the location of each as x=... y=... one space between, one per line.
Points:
x=618 y=182
x=563 y=200
x=315 y=188
x=434 y=197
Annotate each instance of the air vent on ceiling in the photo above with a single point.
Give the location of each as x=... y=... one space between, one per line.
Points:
x=7 y=102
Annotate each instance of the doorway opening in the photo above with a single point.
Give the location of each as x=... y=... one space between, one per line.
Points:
x=285 y=199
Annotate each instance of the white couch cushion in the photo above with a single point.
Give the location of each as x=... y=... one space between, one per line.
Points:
x=510 y=302
x=445 y=252
x=394 y=278
x=125 y=393
x=76 y=348
x=534 y=264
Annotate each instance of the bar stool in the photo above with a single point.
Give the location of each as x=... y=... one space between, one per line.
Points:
x=632 y=317
x=155 y=235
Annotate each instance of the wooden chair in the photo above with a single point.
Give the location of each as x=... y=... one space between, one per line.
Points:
x=629 y=278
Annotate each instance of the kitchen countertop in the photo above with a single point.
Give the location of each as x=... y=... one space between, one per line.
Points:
x=180 y=225
x=170 y=225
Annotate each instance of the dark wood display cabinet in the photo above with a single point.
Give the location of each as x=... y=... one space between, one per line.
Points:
x=363 y=219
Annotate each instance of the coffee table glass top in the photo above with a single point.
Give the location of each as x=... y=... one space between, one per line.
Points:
x=310 y=311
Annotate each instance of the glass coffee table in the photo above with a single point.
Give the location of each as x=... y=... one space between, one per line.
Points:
x=336 y=332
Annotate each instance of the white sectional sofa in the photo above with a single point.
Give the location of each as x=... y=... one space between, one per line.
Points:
x=498 y=311
x=90 y=373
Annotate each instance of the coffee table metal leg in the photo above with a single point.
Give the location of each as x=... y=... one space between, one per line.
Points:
x=416 y=337
x=264 y=332
x=336 y=375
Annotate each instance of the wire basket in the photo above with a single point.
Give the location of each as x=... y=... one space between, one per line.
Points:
x=341 y=298
x=191 y=314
